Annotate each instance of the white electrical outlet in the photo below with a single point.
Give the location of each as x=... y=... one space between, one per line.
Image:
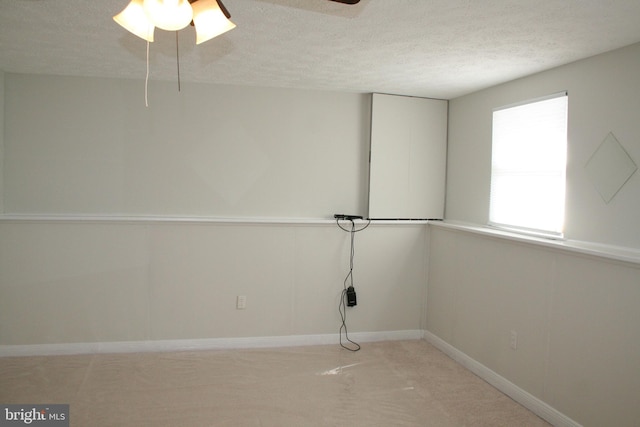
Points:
x=513 y=340
x=241 y=302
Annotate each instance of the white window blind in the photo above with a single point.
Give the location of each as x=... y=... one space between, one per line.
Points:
x=528 y=165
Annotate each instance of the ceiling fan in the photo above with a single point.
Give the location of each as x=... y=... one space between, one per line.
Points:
x=209 y=17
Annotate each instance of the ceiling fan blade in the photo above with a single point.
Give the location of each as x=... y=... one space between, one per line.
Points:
x=346 y=1
x=222 y=8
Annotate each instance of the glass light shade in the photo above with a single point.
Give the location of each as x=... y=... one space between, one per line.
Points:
x=134 y=19
x=170 y=15
x=209 y=20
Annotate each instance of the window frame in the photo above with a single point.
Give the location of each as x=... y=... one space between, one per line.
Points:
x=525 y=229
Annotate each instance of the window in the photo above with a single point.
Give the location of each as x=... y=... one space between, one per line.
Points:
x=528 y=165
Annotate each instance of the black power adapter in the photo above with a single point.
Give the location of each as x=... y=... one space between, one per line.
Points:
x=351 y=297
x=347 y=217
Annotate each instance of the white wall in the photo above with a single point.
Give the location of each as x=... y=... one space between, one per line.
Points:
x=1 y=142
x=576 y=316
x=604 y=96
x=89 y=146
x=576 y=319
x=68 y=281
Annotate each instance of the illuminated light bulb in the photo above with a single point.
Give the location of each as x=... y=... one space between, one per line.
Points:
x=170 y=15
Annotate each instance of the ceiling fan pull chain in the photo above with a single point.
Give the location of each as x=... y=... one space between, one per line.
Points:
x=146 y=80
x=178 y=61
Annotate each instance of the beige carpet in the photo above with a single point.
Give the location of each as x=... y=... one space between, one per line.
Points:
x=397 y=383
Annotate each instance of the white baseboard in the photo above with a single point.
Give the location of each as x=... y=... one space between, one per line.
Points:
x=201 y=344
x=535 y=405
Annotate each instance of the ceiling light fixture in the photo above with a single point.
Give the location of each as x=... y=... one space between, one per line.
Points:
x=209 y=17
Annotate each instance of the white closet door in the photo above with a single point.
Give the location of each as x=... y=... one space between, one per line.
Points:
x=408 y=157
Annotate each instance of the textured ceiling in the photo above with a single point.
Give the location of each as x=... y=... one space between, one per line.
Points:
x=432 y=48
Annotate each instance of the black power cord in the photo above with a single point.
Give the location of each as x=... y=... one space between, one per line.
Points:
x=348 y=296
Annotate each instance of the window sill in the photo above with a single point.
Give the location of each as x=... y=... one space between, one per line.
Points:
x=610 y=252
